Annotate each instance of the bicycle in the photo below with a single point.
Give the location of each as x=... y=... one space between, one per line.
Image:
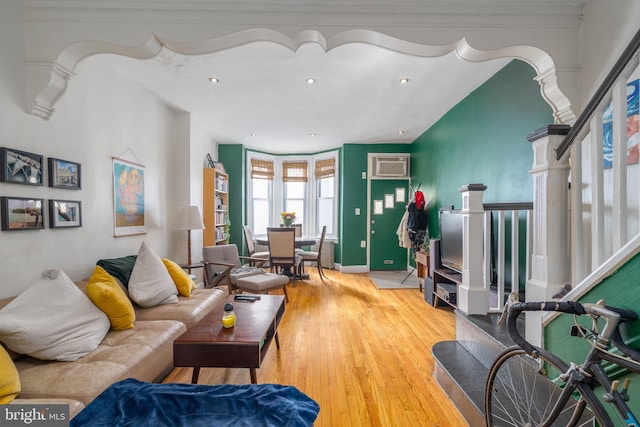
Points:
x=530 y=386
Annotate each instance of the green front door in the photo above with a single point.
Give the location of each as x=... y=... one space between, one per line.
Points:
x=386 y=212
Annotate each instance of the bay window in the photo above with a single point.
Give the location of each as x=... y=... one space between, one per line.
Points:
x=284 y=183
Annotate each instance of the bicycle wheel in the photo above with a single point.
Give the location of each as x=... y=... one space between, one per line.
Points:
x=519 y=393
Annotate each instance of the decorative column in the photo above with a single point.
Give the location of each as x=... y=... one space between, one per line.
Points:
x=473 y=296
x=550 y=259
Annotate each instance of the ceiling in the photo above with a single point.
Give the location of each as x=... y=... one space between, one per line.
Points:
x=262 y=98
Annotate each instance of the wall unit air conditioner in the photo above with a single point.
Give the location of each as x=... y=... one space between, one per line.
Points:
x=390 y=166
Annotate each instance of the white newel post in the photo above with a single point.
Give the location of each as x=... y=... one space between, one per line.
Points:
x=550 y=259
x=473 y=296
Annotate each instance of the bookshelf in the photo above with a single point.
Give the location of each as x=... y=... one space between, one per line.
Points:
x=215 y=206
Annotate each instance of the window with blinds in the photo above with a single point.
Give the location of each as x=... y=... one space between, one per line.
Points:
x=306 y=185
x=262 y=169
x=325 y=168
x=294 y=171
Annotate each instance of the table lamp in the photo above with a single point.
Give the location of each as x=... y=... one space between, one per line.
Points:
x=188 y=218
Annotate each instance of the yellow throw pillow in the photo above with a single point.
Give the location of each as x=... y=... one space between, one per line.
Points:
x=9 y=378
x=109 y=297
x=183 y=282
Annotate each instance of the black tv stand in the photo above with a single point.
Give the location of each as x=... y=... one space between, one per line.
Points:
x=445 y=286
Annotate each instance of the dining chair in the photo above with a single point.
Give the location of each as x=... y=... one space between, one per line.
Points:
x=282 y=250
x=251 y=246
x=315 y=256
x=297 y=227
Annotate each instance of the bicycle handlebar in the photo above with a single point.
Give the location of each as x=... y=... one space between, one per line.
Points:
x=613 y=316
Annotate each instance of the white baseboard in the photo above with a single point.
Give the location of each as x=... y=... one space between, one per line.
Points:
x=352 y=268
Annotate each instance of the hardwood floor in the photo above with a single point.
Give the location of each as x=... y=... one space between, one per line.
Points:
x=363 y=354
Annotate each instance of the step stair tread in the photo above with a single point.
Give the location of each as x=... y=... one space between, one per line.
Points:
x=468 y=373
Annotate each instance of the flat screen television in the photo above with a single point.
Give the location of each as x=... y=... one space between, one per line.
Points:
x=451 y=239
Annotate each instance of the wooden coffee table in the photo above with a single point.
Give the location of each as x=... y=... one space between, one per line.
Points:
x=209 y=345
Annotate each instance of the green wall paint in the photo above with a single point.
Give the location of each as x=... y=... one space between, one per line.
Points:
x=483 y=140
x=353 y=194
x=617 y=290
x=232 y=157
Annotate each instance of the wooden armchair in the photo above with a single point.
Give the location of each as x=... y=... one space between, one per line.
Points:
x=223 y=266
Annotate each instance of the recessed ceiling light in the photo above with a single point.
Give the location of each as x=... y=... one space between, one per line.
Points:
x=312 y=134
x=311 y=80
x=214 y=80
x=400 y=132
x=404 y=80
x=252 y=135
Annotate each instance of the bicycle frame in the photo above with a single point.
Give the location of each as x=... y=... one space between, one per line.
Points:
x=595 y=367
x=584 y=377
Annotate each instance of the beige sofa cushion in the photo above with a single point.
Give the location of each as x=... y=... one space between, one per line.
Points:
x=188 y=310
x=144 y=352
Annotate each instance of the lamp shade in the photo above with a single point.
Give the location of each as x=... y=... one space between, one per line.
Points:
x=188 y=218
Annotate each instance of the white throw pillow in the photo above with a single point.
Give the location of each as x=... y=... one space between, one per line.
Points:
x=150 y=283
x=53 y=320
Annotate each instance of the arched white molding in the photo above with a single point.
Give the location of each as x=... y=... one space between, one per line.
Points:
x=64 y=68
x=66 y=63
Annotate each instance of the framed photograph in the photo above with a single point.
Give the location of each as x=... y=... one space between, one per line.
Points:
x=64 y=174
x=20 y=213
x=65 y=213
x=128 y=198
x=20 y=167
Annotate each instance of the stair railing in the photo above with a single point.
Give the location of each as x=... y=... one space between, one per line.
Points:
x=488 y=248
x=604 y=198
x=507 y=232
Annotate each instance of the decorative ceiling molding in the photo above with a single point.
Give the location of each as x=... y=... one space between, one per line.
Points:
x=177 y=11
x=69 y=58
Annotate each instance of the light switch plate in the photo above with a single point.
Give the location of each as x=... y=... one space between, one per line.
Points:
x=357 y=211
x=363 y=243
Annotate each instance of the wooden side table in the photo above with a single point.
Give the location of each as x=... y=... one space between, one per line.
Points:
x=422 y=264
x=190 y=267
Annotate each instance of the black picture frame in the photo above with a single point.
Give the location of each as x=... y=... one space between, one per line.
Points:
x=21 y=167
x=64 y=174
x=22 y=213
x=65 y=213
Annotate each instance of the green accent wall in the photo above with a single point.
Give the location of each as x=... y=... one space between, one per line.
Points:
x=353 y=194
x=617 y=290
x=482 y=140
x=232 y=157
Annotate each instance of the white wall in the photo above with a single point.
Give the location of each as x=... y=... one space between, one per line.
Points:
x=102 y=115
x=606 y=30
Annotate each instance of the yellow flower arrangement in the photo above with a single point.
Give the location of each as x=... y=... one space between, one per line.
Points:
x=288 y=217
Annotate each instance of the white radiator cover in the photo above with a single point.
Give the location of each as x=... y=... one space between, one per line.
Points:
x=328 y=260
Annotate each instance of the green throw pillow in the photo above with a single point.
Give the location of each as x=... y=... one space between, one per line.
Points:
x=120 y=268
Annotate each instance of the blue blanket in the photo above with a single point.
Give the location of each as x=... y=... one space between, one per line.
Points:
x=135 y=403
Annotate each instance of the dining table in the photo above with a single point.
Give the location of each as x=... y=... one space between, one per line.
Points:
x=300 y=242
